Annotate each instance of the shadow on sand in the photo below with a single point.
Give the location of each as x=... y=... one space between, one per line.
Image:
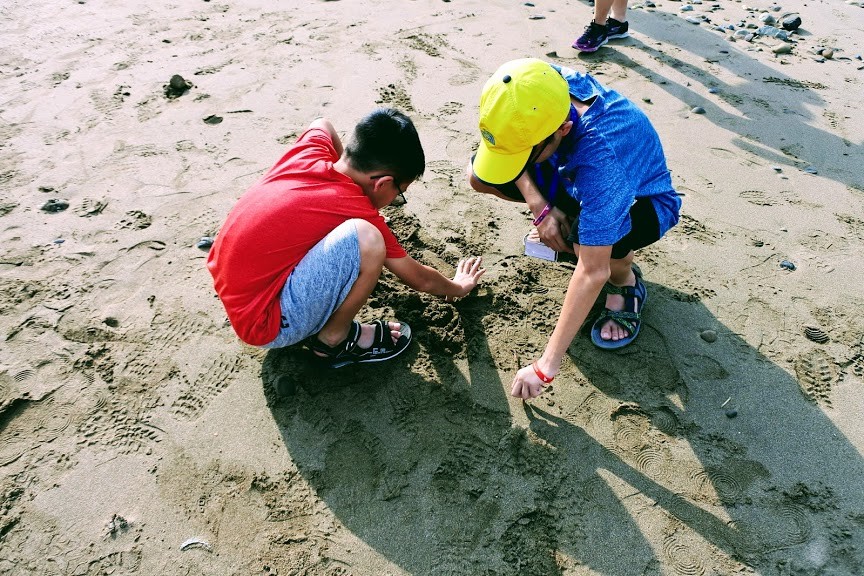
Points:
x=629 y=465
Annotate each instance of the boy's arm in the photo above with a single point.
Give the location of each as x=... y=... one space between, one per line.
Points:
x=426 y=279
x=592 y=272
x=325 y=125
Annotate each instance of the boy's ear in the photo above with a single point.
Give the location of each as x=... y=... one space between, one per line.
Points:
x=382 y=182
x=566 y=127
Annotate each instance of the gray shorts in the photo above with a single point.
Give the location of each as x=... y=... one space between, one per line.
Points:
x=318 y=285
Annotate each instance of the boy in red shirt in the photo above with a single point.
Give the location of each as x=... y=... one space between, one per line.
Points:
x=302 y=250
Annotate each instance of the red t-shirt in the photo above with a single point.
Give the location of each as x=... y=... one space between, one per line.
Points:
x=275 y=223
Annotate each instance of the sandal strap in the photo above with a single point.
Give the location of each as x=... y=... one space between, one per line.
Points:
x=346 y=345
x=626 y=291
x=626 y=320
x=382 y=338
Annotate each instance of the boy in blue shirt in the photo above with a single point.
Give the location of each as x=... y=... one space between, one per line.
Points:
x=591 y=168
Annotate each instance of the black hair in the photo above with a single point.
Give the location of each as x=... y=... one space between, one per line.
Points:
x=386 y=140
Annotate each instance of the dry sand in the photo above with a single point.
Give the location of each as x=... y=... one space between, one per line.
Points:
x=132 y=419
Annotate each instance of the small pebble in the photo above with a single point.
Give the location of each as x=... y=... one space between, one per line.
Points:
x=212 y=119
x=529 y=4
x=686 y=8
x=536 y=17
x=205 y=243
x=731 y=413
x=777 y=168
x=177 y=86
x=782 y=49
x=646 y=100
x=697 y=110
x=773 y=32
x=787 y=265
x=58 y=241
x=55 y=205
x=713 y=90
x=811 y=170
x=828 y=53
x=708 y=336
x=790 y=22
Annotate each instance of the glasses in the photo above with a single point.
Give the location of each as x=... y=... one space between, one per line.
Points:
x=401 y=195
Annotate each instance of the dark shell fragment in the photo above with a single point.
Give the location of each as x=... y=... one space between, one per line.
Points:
x=816 y=334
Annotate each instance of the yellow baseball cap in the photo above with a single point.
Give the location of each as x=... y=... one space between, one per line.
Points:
x=522 y=104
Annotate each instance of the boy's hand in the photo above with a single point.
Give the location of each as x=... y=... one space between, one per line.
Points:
x=468 y=273
x=554 y=229
x=526 y=384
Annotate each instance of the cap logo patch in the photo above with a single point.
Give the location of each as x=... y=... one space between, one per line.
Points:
x=488 y=137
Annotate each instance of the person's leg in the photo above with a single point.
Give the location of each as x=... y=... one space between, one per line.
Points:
x=610 y=22
x=621 y=275
x=618 y=10
x=372 y=255
x=617 y=25
x=645 y=230
x=602 y=9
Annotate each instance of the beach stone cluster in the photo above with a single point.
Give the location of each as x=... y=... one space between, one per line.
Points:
x=772 y=30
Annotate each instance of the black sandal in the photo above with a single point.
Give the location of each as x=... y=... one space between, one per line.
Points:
x=348 y=352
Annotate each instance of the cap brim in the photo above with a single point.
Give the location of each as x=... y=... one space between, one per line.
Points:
x=496 y=168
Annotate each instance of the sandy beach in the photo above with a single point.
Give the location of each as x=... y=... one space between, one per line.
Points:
x=138 y=435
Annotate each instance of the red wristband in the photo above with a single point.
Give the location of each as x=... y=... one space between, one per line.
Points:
x=540 y=375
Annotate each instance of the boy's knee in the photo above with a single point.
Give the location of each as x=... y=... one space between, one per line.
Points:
x=475 y=183
x=369 y=237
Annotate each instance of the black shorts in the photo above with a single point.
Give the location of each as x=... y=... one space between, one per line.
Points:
x=645 y=227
